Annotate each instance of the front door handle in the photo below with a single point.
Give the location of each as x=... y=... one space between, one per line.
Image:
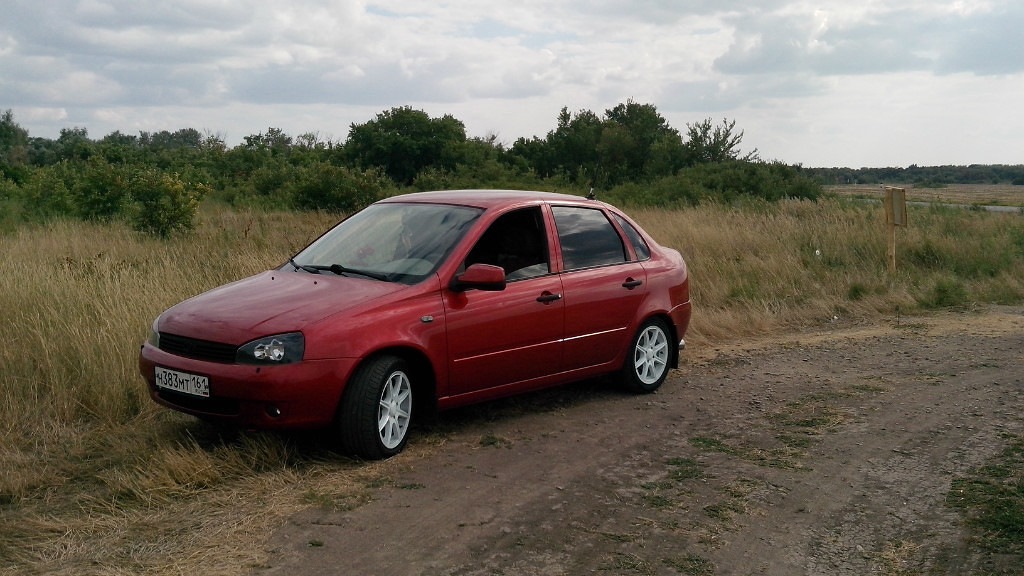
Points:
x=631 y=283
x=548 y=297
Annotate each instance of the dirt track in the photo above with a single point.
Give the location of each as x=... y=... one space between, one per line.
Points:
x=825 y=453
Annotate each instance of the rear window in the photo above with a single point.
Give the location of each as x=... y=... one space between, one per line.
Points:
x=643 y=251
x=588 y=238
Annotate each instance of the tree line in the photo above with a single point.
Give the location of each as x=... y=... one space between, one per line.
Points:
x=923 y=176
x=628 y=155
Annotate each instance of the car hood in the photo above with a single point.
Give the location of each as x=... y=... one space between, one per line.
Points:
x=270 y=303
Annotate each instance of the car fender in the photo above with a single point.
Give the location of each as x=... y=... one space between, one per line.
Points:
x=415 y=321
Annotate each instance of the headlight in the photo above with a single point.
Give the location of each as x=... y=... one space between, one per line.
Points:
x=277 y=349
x=154 y=334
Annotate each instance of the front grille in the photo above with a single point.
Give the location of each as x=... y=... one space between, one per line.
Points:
x=198 y=349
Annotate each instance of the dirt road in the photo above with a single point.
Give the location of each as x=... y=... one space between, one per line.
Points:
x=825 y=453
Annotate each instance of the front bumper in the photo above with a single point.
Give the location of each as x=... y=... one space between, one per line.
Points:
x=300 y=395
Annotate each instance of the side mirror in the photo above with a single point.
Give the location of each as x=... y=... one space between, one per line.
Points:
x=480 y=277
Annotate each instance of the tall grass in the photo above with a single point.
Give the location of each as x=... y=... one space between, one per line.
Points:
x=94 y=478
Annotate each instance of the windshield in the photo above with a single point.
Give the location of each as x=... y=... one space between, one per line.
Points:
x=398 y=242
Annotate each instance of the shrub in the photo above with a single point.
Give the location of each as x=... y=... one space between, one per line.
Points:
x=163 y=204
x=722 y=182
x=101 y=190
x=323 y=186
x=46 y=193
x=945 y=293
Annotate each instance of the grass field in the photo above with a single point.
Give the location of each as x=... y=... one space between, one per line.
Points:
x=965 y=194
x=97 y=479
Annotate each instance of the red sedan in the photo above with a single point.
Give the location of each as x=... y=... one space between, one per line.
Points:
x=426 y=301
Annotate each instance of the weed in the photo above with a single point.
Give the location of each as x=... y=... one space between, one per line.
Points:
x=856 y=291
x=784 y=458
x=724 y=511
x=691 y=565
x=991 y=497
x=657 y=501
x=684 y=469
x=621 y=563
x=945 y=293
x=493 y=441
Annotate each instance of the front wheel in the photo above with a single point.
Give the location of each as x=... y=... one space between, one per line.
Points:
x=376 y=409
x=647 y=362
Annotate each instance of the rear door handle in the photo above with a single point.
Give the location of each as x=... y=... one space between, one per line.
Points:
x=548 y=297
x=631 y=283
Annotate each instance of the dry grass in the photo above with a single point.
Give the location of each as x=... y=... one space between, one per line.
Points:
x=97 y=480
x=966 y=194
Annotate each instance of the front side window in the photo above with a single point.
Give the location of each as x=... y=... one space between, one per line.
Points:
x=517 y=242
x=588 y=238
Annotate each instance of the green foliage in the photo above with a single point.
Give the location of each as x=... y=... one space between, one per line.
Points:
x=923 y=176
x=710 y=144
x=403 y=141
x=13 y=148
x=46 y=195
x=721 y=182
x=857 y=291
x=323 y=186
x=945 y=292
x=163 y=204
x=100 y=190
x=633 y=142
x=272 y=178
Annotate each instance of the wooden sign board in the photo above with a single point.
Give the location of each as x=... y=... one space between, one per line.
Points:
x=896 y=206
x=895 y=215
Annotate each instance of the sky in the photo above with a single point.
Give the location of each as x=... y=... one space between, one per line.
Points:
x=829 y=83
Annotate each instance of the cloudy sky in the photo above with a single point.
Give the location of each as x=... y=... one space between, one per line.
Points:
x=822 y=83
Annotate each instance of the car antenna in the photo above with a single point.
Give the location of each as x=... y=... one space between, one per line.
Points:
x=591 y=195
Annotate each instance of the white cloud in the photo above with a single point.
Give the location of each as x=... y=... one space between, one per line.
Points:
x=802 y=78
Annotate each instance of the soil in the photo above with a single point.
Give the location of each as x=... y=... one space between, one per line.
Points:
x=829 y=452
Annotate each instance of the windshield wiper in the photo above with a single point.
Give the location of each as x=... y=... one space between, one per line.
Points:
x=306 y=267
x=339 y=270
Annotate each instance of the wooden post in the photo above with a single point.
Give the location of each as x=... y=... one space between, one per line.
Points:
x=895 y=203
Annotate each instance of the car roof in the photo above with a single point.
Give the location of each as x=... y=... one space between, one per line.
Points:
x=487 y=198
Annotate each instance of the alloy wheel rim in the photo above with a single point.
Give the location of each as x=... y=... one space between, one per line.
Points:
x=650 y=358
x=393 y=415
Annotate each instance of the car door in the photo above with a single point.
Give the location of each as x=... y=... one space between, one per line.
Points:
x=603 y=290
x=499 y=338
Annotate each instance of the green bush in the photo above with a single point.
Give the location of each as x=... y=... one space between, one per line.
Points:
x=726 y=182
x=163 y=204
x=323 y=186
x=945 y=293
x=101 y=191
x=46 y=194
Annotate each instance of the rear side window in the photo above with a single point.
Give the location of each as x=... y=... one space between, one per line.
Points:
x=643 y=251
x=588 y=238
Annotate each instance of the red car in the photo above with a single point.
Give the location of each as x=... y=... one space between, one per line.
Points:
x=426 y=301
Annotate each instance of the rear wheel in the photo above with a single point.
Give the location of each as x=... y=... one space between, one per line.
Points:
x=376 y=410
x=648 y=359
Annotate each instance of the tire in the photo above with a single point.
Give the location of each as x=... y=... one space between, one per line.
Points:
x=647 y=362
x=376 y=409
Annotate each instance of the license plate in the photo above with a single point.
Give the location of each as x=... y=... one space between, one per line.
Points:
x=182 y=382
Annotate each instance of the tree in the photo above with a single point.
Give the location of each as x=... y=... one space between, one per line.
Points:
x=631 y=132
x=74 y=144
x=403 y=141
x=573 y=145
x=13 y=148
x=708 y=144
